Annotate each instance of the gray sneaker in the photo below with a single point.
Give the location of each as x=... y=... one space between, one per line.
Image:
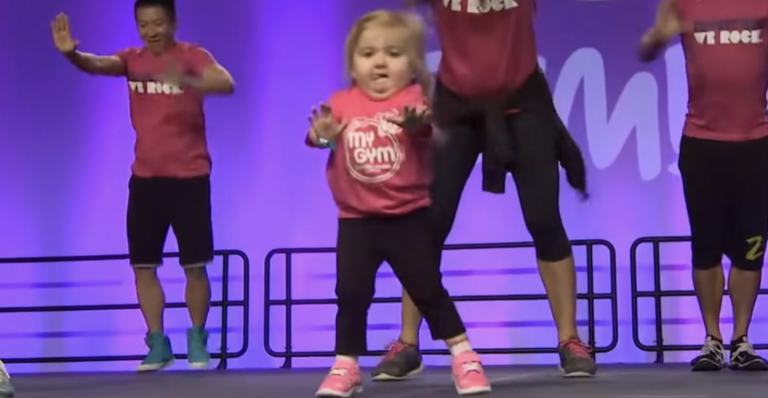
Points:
x=401 y=362
x=6 y=389
x=576 y=359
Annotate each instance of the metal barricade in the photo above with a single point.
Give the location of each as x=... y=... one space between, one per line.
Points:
x=225 y=303
x=590 y=296
x=657 y=294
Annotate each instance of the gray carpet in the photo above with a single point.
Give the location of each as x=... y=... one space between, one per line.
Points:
x=646 y=381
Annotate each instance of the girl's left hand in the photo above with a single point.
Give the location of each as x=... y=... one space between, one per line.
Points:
x=414 y=119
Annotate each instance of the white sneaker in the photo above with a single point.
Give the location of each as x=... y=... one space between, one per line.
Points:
x=6 y=390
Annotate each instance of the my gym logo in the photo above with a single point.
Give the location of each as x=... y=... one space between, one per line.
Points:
x=739 y=31
x=373 y=151
x=480 y=6
x=155 y=88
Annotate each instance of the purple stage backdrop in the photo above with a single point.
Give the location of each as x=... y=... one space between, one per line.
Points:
x=66 y=146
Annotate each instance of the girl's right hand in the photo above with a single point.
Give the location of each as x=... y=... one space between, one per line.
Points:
x=323 y=124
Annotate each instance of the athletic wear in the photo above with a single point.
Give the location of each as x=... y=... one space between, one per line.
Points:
x=169 y=120
x=726 y=194
x=343 y=381
x=157 y=204
x=405 y=243
x=6 y=389
x=727 y=64
x=469 y=375
x=712 y=356
x=198 y=356
x=160 y=354
x=577 y=359
x=539 y=140
x=401 y=362
x=376 y=167
x=744 y=357
x=472 y=37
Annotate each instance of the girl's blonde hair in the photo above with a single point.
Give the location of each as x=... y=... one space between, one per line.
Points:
x=415 y=51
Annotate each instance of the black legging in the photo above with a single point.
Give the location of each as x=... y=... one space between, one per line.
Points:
x=405 y=242
x=536 y=174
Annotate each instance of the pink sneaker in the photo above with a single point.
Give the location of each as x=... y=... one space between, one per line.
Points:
x=468 y=374
x=342 y=381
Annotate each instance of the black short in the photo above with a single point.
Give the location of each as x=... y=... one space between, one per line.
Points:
x=157 y=204
x=726 y=193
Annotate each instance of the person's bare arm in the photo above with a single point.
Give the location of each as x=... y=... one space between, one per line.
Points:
x=666 y=26
x=89 y=63
x=201 y=72
x=213 y=80
x=217 y=80
x=96 y=64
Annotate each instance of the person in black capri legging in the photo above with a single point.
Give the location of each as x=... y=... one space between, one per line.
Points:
x=492 y=98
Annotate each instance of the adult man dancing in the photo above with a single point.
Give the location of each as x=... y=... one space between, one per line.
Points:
x=170 y=185
x=723 y=158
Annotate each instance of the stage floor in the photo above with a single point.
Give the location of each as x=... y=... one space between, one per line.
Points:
x=648 y=381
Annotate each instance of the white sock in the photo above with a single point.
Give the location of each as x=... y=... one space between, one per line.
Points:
x=460 y=348
x=346 y=358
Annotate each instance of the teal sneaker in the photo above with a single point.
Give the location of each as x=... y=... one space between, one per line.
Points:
x=160 y=353
x=6 y=389
x=197 y=348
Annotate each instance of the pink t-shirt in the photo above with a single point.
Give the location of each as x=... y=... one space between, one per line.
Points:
x=727 y=65
x=377 y=169
x=487 y=50
x=169 y=121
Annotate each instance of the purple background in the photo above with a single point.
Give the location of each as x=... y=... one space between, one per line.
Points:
x=66 y=146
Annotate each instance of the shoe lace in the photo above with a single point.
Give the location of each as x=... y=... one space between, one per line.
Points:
x=338 y=372
x=472 y=366
x=393 y=349
x=712 y=347
x=578 y=348
x=744 y=347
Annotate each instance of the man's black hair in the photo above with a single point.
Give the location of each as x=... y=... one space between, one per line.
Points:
x=168 y=5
